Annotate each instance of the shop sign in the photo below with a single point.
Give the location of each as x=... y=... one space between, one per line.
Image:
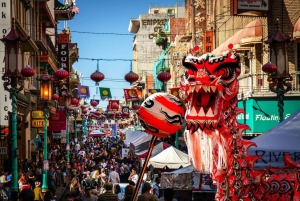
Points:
x=38 y=123
x=37 y=114
x=261 y=114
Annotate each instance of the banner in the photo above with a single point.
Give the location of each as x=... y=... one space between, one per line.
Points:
x=83 y=91
x=175 y=91
x=125 y=152
x=152 y=91
x=104 y=93
x=114 y=129
x=111 y=110
x=131 y=94
x=125 y=111
x=57 y=122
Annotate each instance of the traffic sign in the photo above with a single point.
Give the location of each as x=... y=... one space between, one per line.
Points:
x=3 y=150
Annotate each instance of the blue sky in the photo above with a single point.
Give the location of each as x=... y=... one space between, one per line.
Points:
x=100 y=17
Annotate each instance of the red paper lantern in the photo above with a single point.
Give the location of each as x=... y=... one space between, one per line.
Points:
x=27 y=71
x=230 y=46
x=97 y=113
x=161 y=114
x=84 y=111
x=164 y=76
x=54 y=97
x=61 y=74
x=115 y=106
x=97 y=77
x=131 y=77
x=269 y=68
x=94 y=103
x=136 y=107
x=70 y=108
x=74 y=101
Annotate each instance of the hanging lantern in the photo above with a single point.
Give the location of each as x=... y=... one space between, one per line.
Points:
x=164 y=76
x=94 y=103
x=97 y=77
x=45 y=87
x=269 y=68
x=97 y=113
x=84 y=111
x=55 y=97
x=27 y=71
x=161 y=114
x=70 y=109
x=131 y=77
x=61 y=74
x=115 y=106
x=136 y=107
x=74 y=101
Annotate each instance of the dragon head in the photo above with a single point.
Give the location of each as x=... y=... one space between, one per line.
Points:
x=211 y=81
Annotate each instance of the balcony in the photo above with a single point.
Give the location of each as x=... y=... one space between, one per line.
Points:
x=41 y=42
x=256 y=85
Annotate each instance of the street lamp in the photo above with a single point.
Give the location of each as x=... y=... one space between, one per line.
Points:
x=13 y=83
x=278 y=68
x=45 y=97
x=67 y=97
x=75 y=115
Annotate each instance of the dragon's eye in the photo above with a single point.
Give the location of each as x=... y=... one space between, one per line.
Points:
x=225 y=73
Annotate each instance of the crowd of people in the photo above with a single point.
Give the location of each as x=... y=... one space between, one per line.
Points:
x=95 y=171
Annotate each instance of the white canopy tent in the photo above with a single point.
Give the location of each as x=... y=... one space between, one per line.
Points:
x=135 y=135
x=170 y=157
x=134 y=143
x=273 y=144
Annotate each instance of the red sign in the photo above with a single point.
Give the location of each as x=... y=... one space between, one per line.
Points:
x=131 y=94
x=110 y=108
x=57 y=122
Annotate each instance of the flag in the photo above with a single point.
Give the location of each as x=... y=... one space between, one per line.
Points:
x=83 y=91
x=110 y=110
x=137 y=102
x=104 y=93
x=175 y=91
x=125 y=111
x=152 y=91
x=131 y=94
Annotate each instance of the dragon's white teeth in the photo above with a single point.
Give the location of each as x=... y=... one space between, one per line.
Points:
x=209 y=113
x=221 y=94
x=213 y=88
x=201 y=112
x=193 y=111
x=207 y=89
x=198 y=87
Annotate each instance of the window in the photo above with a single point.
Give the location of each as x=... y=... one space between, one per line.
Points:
x=208 y=48
x=208 y=39
x=155 y=11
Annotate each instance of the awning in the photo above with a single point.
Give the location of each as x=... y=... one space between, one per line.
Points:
x=251 y=34
x=296 y=33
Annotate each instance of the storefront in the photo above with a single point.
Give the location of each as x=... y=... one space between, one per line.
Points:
x=261 y=114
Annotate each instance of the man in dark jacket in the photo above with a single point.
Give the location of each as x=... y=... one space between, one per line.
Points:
x=108 y=195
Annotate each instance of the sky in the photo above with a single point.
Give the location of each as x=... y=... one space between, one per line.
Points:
x=113 y=50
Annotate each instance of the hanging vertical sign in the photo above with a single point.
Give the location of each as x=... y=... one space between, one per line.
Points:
x=63 y=59
x=5 y=102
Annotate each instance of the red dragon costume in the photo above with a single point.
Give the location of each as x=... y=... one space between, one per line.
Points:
x=214 y=137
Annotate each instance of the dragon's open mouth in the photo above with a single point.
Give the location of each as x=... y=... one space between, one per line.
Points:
x=204 y=107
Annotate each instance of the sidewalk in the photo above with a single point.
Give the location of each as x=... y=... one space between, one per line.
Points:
x=61 y=191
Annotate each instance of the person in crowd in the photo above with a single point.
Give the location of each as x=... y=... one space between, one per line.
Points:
x=103 y=178
x=129 y=189
x=51 y=180
x=168 y=195
x=68 y=197
x=38 y=195
x=26 y=194
x=89 y=181
x=156 y=188
x=21 y=181
x=108 y=195
x=133 y=176
x=75 y=188
x=118 y=192
x=89 y=195
x=113 y=176
x=147 y=195
x=49 y=196
x=96 y=177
